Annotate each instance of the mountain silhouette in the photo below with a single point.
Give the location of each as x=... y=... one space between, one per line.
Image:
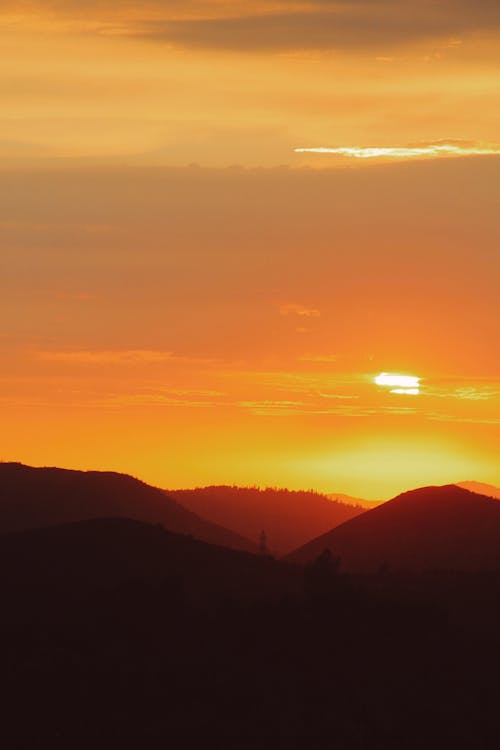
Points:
x=480 y=488
x=288 y=518
x=38 y=497
x=119 y=633
x=432 y=528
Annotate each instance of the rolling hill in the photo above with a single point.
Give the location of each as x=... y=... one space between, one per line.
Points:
x=39 y=497
x=446 y=528
x=288 y=518
x=104 y=553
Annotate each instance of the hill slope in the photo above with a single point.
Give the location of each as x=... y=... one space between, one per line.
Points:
x=430 y=528
x=356 y=501
x=33 y=498
x=480 y=488
x=288 y=518
x=109 y=552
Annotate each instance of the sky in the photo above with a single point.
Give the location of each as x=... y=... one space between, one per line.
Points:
x=220 y=222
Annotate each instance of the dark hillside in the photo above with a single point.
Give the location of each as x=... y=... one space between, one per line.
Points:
x=289 y=518
x=34 y=498
x=446 y=528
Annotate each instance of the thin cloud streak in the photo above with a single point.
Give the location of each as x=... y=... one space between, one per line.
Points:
x=402 y=152
x=119 y=357
x=300 y=310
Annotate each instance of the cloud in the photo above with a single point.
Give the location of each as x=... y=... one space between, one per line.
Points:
x=437 y=417
x=338 y=396
x=328 y=25
x=297 y=408
x=427 y=150
x=300 y=310
x=319 y=358
x=274 y=26
x=188 y=399
x=474 y=394
x=466 y=393
x=117 y=357
x=159 y=400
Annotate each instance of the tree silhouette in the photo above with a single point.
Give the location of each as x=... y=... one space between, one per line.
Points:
x=321 y=577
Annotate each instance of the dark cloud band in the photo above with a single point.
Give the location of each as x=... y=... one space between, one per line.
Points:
x=341 y=26
x=325 y=25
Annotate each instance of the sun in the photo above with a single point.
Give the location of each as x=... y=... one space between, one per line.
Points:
x=401 y=384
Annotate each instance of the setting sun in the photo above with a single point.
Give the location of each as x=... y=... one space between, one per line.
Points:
x=401 y=384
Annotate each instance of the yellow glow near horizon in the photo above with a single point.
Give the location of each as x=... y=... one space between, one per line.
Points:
x=393 y=465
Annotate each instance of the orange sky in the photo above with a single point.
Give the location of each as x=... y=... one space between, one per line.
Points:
x=186 y=298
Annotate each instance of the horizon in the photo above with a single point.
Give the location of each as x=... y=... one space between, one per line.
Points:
x=262 y=488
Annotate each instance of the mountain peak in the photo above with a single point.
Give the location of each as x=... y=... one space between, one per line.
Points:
x=445 y=527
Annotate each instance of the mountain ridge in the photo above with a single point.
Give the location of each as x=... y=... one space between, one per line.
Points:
x=435 y=527
x=34 y=497
x=288 y=517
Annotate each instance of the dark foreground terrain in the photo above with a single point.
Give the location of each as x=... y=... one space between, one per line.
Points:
x=118 y=634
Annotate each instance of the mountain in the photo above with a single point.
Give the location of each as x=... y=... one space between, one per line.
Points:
x=288 y=518
x=447 y=528
x=39 y=497
x=356 y=501
x=481 y=488
x=105 y=553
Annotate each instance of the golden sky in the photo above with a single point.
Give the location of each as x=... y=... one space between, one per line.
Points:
x=187 y=298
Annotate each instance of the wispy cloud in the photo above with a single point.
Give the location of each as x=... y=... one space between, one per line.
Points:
x=436 y=417
x=475 y=394
x=300 y=310
x=319 y=358
x=482 y=392
x=339 y=396
x=118 y=357
x=161 y=400
x=297 y=408
x=428 y=150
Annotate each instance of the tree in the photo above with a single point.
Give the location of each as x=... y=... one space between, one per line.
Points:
x=321 y=577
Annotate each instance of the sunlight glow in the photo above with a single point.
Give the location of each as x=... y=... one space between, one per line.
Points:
x=394 y=463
